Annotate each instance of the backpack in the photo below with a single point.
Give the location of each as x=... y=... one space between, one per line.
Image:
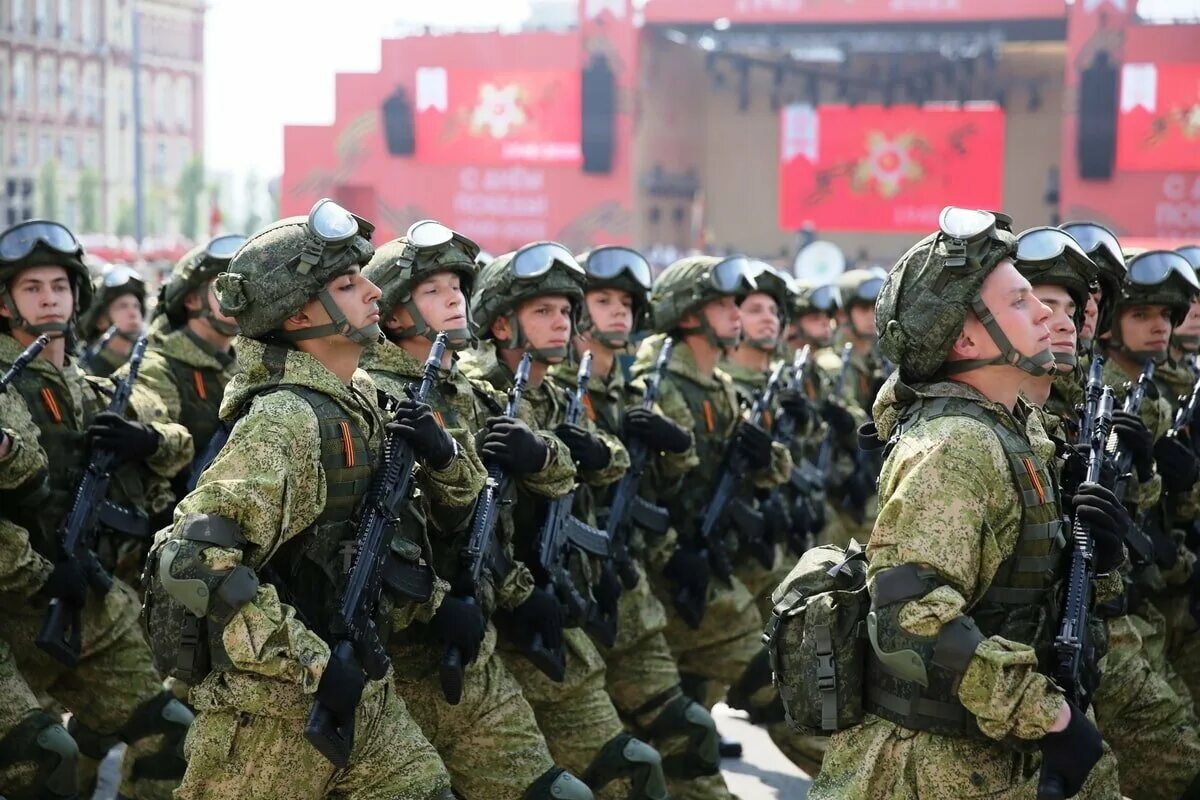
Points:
x=816 y=639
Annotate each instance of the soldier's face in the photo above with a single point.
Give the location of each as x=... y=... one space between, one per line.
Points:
x=1018 y=312
x=611 y=310
x=1062 y=319
x=862 y=317
x=440 y=301
x=545 y=321
x=817 y=327
x=126 y=313
x=760 y=317
x=1090 y=314
x=42 y=295
x=1145 y=329
x=724 y=317
x=1190 y=326
x=354 y=295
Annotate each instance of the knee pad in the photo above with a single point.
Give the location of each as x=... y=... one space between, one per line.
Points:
x=687 y=718
x=557 y=784
x=161 y=715
x=41 y=740
x=627 y=757
x=756 y=677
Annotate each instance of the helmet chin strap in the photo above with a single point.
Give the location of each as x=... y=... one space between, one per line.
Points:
x=456 y=338
x=219 y=325
x=1068 y=360
x=1142 y=356
x=542 y=355
x=719 y=342
x=763 y=345
x=368 y=334
x=1037 y=365
x=1187 y=342
x=54 y=330
x=613 y=340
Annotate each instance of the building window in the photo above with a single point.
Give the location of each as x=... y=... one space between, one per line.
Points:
x=91 y=93
x=41 y=17
x=17 y=16
x=20 y=83
x=159 y=167
x=183 y=102
x=68 y=85
x=70 y=212
x=20 y=153
x=45 y=86
x=87 y=22
x=162 y=99
x=91 y=152
x=45 y=151
x=70 y=151
x=66 y=19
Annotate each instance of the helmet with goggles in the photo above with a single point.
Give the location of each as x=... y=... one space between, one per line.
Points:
x=290 y=262
x=861 y=286
x=193 y=272
x=812 y=298
x=1102 y=247
x=536 y=270
x=1051 y=257
x=692 y=282
x=42 y=243
x=115 y=281
x=778 y=287
x=1155 y=278
x=625 y=269
x=925 y=298
x=399 y=266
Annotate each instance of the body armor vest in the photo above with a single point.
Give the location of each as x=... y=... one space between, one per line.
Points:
x=714 y=424
x=200 y=393
x=311 y=570
x=1018 y=605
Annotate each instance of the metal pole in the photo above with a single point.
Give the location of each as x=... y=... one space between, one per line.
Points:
x=138 y=198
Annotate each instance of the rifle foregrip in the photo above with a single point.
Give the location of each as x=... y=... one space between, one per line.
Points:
x=60 y=636
x=552 y=663
x=1051 y=786
x=451 y=674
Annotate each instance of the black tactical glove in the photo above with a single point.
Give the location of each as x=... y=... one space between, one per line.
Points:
x=459 y=622
x=68 y=581
x=129 y=441
x=1108 y=521
x=342 y=683
x=511 y=445
x=588 y=451
x=753 y=444
x=658 y=432
x=415 y=422
x=796 y=406
x=607 y=590
x=1075 y=462
x=1135 y=438
x=1068 y=756
x=540 y=613
x=1176 y=464
x=689 y=570
x=841 y=420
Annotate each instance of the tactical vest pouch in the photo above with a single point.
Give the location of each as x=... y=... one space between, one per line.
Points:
x=816 y=639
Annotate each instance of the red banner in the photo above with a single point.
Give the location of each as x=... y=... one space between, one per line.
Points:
x=497 y=117
x=1159 y=124
x=870 y=168
x=810 y=11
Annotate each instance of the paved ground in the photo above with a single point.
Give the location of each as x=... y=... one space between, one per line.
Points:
x=762 y=773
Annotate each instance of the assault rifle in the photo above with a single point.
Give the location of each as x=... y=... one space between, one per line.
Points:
x=353 y=630
x=482 y=548
x=1140 y=546
x=1186 y=414
x=1091 y=400
x=61 y=627
x=807 y=512
x=23 y=360
x=626 y=505
x=1074 y=652
x=561 y=532
x=825 y=454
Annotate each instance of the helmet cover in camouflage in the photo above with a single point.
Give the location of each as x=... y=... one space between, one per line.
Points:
x=1175 y=291
x=193 y=271
x=778 y=286
x=811 y=297
x=1071 y=270
x=114 y=281
x=692 y=282
x=42 y=255
x=284 y=266
x=623 y=281
x=399 y=266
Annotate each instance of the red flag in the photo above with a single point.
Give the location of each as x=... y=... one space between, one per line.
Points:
x=870 y=168
x=1159 y=125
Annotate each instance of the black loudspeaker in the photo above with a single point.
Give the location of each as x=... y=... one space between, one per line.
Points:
x=599 y=115
x=398 y=126
x=1096 y=135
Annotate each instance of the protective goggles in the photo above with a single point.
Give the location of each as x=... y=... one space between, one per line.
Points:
x=428 y=233
x=965 y=224
x=826 y=298
x=1093 y=238
x=1038 y=245
x=331 y=223
x=732 y=274
x=607 y=263
x=20 y=240
x=119 y=275
x=222 y=248
x=1192 y=253
x=535 y=260
x=1156 y=266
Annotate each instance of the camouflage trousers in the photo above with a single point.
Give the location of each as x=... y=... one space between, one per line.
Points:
x=235 y=752
x=18 y=703
x=1182 y=638
x=641 y=676
x=489 y=741
x=1152 y=733
x=115 y=676
x=576 y=716
x=878 y=760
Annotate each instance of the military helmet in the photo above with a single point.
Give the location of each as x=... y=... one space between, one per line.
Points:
x=42 y=243
x=1050 y=256
x=1101 y=245
x=290 y=262
x=779 y=286
x=811 y=297
x=400 y=265
x=1192 y=253
x=113 y=282
x=1157 y=277
x=615 y=267
x=926 y=296
x=197 y=267
x=861 y=286
x=690 y=283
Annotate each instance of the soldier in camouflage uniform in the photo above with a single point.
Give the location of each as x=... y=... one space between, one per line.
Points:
x=960 y=617
x=1152 y=731
x=50 y=414
x=244 y=586
x=643 y=679
x=1178 y=375
x=695 y=301
x=489 y=739
x=114 y=321
x=531 y=301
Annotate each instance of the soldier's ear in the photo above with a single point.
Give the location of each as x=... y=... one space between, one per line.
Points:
x=501 y=328
x=689 y=320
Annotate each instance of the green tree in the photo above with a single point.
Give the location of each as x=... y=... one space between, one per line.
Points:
x=48 y=190
x=89 y=201
x=189 y=190
x=125 y=223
